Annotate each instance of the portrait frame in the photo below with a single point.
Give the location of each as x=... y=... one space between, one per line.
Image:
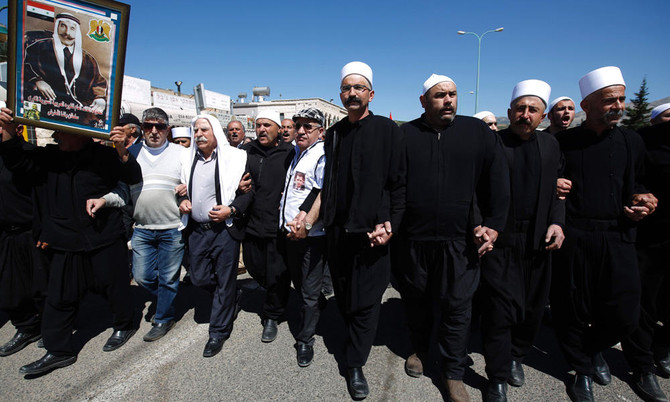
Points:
x=83 y=72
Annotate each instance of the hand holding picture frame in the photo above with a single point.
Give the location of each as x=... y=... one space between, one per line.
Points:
x=66 y=62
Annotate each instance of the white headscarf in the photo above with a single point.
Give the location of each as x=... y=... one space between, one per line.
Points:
x=76 y=55
x=232 y=163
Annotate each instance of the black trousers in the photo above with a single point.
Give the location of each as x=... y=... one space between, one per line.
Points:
x=266 y=265
x=23 y=279
x=71 y=275
x=304 y=259
x=651 y=340
x=214 y=257
x=360 y=275
x=595 y=294
x=442 y=273
x=513 y=294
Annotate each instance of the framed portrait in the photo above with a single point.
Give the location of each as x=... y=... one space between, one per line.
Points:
x=66 y=62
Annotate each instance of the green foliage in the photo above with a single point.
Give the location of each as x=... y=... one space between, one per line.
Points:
x=637 y=114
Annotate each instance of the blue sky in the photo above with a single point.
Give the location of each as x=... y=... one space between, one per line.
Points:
x=297 y=48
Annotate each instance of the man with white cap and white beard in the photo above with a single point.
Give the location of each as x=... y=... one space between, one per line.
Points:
x=362 y=202
x=649 y=343
x=561 y=113
x=212 y=172
x=451 y=161
x=516 y=274
x=595 y=291
x=489 y=118
x=58 y=69
x=268 y=160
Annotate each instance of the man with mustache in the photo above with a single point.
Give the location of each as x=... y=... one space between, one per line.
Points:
x=516 y=274
x=212 y=171
x=561 y=113
x=595 y=291
x=649 y=343
x=363 y=199
x=268 y=160
x=288 y=131
x=451 y=162
x=58 y=69
x=235 y=133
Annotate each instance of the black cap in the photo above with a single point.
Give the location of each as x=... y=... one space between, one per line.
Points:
x=128 y=118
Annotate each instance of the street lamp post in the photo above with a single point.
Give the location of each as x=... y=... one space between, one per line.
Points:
x=178 y=84
x=479 y=56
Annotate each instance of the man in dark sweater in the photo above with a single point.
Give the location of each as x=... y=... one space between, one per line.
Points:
x=87 y=253
x=595 y=291
x=267 y=159
x=516 y=274
x=452 y=161
x=362 y=202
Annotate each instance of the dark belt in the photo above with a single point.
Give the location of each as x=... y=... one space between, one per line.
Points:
x=207 y=225
x=15 y=228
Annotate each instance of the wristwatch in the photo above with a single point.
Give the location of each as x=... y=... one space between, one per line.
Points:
x=308 y=226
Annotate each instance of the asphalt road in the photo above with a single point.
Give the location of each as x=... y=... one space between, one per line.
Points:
x=173 y=369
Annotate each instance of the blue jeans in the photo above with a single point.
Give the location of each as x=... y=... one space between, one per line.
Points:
x=157 y=256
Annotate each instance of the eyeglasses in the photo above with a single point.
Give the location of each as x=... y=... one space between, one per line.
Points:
x=357 y=88
x=150 y=126
x=307 y=126
x=181 y=140
x=491 y=124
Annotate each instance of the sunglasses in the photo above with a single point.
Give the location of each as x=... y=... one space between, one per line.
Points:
x=308 y=126
x=150 y=126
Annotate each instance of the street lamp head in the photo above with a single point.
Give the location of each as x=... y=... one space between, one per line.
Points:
x=461 y=32
x=499 y=29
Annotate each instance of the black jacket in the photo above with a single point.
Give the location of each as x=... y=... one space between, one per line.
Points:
x=268 y=172
x=377 y=169
x=447 y=172
x=68 y=179
x=549 y=209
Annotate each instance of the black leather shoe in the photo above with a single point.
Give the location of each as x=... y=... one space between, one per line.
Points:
x=496 y=392
x=46 y=363
x=19 y=341
x=269 y=331
x=305 y=355
x=646 y=386
x=213 y=347
x=663 y=365
x=581 y=389
x=516 y=376
x=357 y=384
x=602 y=375
x=158 y=331
x=117 y=340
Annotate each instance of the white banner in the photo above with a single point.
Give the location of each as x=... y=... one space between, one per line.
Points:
x=136 y=90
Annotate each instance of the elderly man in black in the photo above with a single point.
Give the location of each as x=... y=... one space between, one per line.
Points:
x=451 y=161
x=363 y=199
x=595 y=292
x=87 y=253
x=516 y=274
x=650 y=342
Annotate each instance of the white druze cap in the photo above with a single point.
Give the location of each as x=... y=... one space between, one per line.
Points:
x=357 y=67
x=559 y=99
x=181 y=132
x=433 y=80
x=270 y=115
x=483 y=114
x=600 y=78
x=532 y=88
x=659 y=109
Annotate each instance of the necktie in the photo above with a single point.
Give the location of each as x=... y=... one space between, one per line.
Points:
x=69 y=65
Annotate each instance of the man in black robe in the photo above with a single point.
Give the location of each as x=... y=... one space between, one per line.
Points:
x=650 y=341
x=595 y=295
x=363 y=199
x=516 y=274
x=86 y=252
x=451 y=161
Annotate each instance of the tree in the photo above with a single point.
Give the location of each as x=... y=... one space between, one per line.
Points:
x=637 y=114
